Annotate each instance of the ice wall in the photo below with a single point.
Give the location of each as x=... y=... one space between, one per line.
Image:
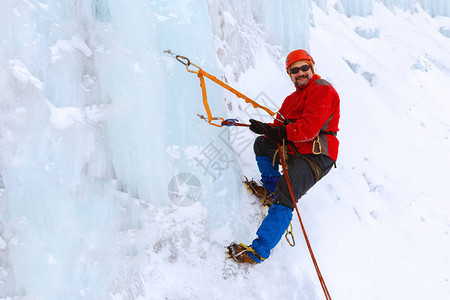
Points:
x=94 y=118
x=436 y=7
x=287 y=25
x=242 y=28
x=361 y=8
x=62 y=224
x=155 y=101
x=364 y=8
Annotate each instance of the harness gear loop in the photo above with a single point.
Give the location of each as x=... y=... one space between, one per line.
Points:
x=289 y=184
x=201 y=74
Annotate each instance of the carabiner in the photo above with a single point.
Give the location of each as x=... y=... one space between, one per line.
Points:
x=317 y=142
x=289 y=232
x=229 y=122
x=181 y=58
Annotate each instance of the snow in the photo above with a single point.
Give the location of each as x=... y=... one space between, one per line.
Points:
x=113 y=188
x=21 y=73
x=64 y=47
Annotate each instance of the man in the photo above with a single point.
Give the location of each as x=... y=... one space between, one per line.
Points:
x=307 y=122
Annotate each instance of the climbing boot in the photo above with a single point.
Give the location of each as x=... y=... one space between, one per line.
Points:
x=259 y=191
x=239 y=253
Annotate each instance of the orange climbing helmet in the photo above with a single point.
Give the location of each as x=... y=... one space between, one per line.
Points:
x=297 y=55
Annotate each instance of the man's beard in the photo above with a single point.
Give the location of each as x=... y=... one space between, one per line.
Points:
x=302 y=83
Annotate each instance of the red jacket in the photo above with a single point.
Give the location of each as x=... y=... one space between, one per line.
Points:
x=310 y=111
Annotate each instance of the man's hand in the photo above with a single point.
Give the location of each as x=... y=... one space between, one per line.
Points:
x=276 y=134
x=258 y=127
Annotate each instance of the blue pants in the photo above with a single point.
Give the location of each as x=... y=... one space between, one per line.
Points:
x=271 y=230
x=269 y=173
x=280 y=213
x=264 y=151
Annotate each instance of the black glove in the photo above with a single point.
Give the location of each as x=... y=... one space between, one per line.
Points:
x=258 y=127
x=276 y=134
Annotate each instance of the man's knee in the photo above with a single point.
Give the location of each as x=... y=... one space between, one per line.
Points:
x=264 y=147
x=258 y=146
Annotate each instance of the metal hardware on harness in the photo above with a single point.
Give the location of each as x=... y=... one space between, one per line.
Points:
x=317 y=143
x=289 y=232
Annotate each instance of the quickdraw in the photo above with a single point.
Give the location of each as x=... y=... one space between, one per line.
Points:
x=193 y=68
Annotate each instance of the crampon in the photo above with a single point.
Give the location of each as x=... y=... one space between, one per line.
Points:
x=259 y=191
x=239 y=253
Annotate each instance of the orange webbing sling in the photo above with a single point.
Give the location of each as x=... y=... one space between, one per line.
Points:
x=201 y=74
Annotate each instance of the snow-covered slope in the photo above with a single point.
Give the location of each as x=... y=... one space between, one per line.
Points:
x=115 y=189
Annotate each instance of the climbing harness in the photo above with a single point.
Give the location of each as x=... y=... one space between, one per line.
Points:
x=193 y=68
x=289 y=184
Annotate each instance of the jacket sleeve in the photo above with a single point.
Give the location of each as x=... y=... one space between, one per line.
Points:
x=318 y=109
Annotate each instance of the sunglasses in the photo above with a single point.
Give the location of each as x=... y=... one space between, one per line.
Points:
x=304 y=68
